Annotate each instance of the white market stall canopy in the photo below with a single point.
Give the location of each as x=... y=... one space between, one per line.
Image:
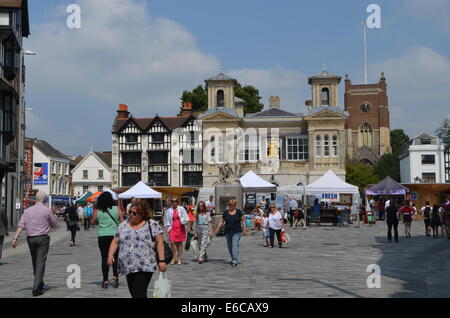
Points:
x=252 y=183
x=141 y=191
x=331 y=183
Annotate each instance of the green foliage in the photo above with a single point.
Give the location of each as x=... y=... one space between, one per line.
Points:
x=388 y=165
x=360 y=175
x=398 y=141
x=443 y=132
x=250 y=95
x=198 y=97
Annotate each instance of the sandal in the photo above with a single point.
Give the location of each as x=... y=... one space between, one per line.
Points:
x=172 y=262
x=180 y=261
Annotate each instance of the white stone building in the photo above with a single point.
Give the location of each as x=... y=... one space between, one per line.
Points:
x=93 y=173
x=51 y=172
x=423 y=162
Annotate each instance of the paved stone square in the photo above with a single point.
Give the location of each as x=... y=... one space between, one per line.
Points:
x=318 y=262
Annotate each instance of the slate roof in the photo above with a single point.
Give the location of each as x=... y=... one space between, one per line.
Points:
x=221 y=77
x=335 y=109
x=143 y=123
x=273 y=112
x=106 y=157
x=211 y=111
x=48 y=150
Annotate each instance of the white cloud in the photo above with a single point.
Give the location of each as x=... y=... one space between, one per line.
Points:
x=120 y=55
x=418 y=84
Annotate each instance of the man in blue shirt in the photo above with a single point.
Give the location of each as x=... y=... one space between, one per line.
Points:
x=87 y=217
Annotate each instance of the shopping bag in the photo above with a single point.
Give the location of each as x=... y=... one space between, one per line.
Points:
x=161 y=288
x=284 y=237
x=194 y=250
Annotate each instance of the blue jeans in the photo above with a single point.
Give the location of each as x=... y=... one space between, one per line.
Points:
x=233 y=240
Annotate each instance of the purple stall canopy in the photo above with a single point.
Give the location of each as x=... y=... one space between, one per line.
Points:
x=387 y=187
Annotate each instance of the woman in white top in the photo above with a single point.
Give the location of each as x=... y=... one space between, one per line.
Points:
x=175 y=220
x=275 y=225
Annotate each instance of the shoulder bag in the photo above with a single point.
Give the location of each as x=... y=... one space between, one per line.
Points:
x=167 y=250
x=112 y=217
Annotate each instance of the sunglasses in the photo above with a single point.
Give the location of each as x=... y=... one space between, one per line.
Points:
x=136 y=213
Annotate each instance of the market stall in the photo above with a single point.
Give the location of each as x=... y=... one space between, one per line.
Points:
x=387 y=189
x=333 y=194
x=251 y=185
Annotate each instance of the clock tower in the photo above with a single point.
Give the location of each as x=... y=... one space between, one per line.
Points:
x=368 y=128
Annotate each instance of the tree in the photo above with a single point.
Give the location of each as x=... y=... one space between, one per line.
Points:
x=198 y=97
x=443 y=132
x=360 y=175
x=250 y=95
x=398 y=141
x=388 y=165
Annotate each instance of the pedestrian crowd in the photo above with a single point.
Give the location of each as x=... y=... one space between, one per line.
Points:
x=131 y=240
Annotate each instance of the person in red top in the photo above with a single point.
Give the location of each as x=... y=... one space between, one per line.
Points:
x=407 y=211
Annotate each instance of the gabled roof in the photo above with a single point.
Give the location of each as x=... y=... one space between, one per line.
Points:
x=334 y=109
x=221 y=77
x=274 y=112
x=224 y=110
x=106 y=157
x=48 y=150
x=425 y=136
x=143 y=123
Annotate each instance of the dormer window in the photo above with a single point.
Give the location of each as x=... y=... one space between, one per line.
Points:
x=325 y=97
x=220 y=98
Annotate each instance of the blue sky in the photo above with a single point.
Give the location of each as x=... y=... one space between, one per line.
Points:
x=144 y=53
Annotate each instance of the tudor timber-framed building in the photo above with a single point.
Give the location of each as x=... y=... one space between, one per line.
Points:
x=160 y=151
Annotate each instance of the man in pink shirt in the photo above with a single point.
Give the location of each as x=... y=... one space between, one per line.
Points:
x=37 y=221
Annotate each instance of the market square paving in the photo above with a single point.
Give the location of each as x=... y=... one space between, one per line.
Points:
x=318 y=262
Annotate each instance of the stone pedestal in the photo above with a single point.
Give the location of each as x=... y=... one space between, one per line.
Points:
x=225 y=193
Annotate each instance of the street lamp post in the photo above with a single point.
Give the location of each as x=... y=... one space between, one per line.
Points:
x=21 y=125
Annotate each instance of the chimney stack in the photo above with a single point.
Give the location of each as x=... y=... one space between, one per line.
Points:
x=122 y=112
x=186 y=109
x=274 y=101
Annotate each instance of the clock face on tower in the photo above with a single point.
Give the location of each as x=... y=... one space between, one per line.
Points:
x=365 y=107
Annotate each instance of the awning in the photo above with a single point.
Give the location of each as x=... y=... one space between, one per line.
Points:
x=93 y=197
x=252 y=183
x=331 y=183
x=83 y=198
x=387 y=187
x=142 y=191
x=176 y=191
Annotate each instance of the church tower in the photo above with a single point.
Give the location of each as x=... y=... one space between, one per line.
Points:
x=368 y=127
x=325 y=90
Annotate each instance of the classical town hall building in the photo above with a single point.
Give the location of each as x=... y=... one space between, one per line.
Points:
x=286 y=148
x=161 y=151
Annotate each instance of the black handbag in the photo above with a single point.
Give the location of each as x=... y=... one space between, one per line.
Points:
x=168 y=255
x=187 y=246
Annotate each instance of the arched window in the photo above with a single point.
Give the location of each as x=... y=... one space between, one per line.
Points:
x=325 y=97
x=366 y=135
x=220 y=98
